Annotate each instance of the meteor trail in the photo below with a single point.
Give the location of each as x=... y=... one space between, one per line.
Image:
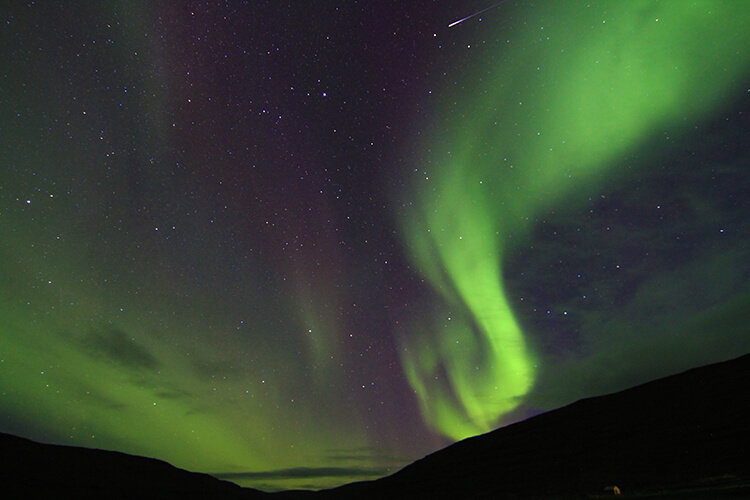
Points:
x=474 y=14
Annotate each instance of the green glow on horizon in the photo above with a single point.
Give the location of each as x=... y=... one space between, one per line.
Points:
x=566 y=97
x=187 y=384
x=51 y=370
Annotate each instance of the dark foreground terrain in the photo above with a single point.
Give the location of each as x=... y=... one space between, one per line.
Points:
x=685 y=436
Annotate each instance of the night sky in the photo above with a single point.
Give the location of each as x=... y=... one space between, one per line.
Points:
x=298 y=244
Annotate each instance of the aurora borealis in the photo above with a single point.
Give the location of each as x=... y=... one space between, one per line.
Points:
x=299 y=245
x=596 y=91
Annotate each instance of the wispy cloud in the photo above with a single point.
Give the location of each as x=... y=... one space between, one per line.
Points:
x=307 y=472
x=366 y=454
x=114 y=344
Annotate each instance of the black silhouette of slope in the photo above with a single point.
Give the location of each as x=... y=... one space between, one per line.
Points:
x=684 y=436
x=35 y=470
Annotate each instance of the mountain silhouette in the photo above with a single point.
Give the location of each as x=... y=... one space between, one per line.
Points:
x=35 y=470
x=683 y=436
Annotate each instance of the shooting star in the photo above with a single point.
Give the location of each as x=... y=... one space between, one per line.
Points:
x=475 y=14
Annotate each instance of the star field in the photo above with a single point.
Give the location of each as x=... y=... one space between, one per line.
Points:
x=302 y=245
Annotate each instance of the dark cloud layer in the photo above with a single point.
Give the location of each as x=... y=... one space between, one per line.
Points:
x=306 y=473
x=115 y=345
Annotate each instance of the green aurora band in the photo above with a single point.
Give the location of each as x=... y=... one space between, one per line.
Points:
x=576 y=87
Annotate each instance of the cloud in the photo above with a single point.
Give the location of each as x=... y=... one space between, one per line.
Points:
x=626 y=355
x=367 y=454
x=646 y=280
x=112 y=343
x=174 y=394
x=307 y=473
